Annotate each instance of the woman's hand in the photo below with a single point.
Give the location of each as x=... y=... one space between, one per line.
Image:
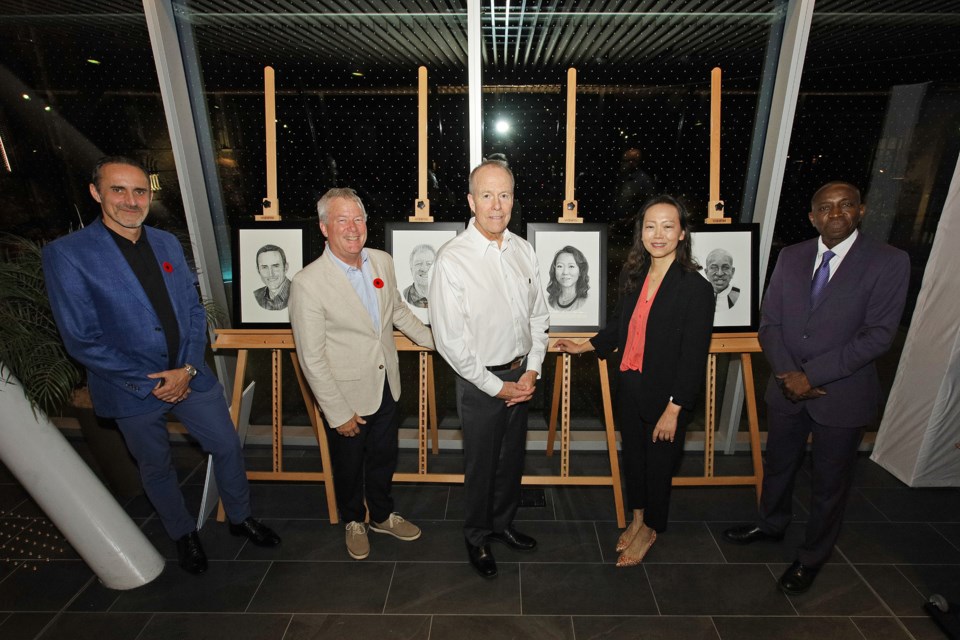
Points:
x=569 y=346
x=666 y=429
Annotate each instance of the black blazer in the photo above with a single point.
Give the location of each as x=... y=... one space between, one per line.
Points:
x=677 y=341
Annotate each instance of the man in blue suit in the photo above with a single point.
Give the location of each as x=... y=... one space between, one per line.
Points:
x=127 y=307
x=832 y=308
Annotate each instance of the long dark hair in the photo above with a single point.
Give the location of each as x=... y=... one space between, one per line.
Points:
x=583 y=280
x=639 y=258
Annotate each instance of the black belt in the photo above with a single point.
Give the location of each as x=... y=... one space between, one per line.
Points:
x=510 y=366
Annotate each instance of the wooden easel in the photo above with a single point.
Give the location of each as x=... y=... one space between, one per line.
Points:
x=278 y=341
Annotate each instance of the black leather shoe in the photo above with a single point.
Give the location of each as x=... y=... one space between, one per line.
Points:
x=798 y=578
x=748 y=533
x=190 y=552
x=514 y=539
x=256 y=532
x=482 y=560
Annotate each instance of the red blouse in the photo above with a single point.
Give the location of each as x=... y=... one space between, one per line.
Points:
x=637 y=332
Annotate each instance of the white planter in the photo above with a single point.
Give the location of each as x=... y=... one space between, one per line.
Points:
x=71 y=495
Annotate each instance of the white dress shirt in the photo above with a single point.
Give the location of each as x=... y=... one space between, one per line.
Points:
x=487 y=306
x=840 y=252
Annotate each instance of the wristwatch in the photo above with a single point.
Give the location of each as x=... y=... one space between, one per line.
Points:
x=191 y=370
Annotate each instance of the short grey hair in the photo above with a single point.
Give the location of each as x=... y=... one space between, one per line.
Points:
x=422 y=248
x=339 y=192
x=490 y=163
x=718 y=254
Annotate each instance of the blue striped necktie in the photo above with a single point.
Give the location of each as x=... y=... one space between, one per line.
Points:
x=821 y=277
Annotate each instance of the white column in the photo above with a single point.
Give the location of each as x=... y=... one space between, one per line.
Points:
x=70 y=494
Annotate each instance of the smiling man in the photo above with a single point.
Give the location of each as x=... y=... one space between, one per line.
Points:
x=127 y=307
x=272 y=267
x=490 y=319
x=343 y=309
x=832 y=308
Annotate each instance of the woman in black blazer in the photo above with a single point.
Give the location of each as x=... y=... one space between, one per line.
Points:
x=661 y=326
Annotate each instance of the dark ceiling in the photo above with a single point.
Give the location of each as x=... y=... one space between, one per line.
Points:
x=631 y=42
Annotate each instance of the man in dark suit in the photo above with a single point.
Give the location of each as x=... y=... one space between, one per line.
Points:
x=127 y=307
x=832 y=308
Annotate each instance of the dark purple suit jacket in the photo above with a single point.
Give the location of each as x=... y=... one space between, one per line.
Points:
x=836 y=342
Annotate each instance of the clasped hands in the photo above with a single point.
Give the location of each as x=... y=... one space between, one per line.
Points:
x=173 y=386
x=796 y=387
x=519 y=391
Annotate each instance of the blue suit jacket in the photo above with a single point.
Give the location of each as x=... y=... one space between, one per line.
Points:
x=108 y=324
x=836 y=342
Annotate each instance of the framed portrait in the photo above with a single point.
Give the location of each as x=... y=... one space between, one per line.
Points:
x=266 y=256
x=573 y=271
x=414 y=247
x=728 y=255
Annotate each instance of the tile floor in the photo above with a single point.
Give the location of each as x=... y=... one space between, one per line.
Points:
x=898 y=546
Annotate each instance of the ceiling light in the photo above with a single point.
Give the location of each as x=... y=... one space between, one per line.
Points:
x=502 y=126
x=93 y=61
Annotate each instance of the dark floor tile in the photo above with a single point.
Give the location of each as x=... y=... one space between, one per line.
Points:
x=215 y=536
x=868 y=473
x=717 y=589
x=288 y=500
x=837 y=591
x=5 y=476
x=526 y=627
x=303 y=540
x=456 y=505
x=682 y=542
x=12 y=496
x=761 y=628
x=935 y=578
x=950 y=531
x=585 y=589
x=895 y=543
x=766 y=551
x=226 y=586
x=46 y=586
x=216 y=626
x=712 y=504
x=556 y=542
x=10 y=527
x=453 y=588
x=894 y=588
x=692 y=464
x=96 y=626
x=583 y=503
x=923 y=628
x=917 y=505
x=881 y=628
x=344 y=627
x=647 y=627
x=33 y=539
x=858 y=509
x=324 y=587
x=421 y=501
x=23 y=626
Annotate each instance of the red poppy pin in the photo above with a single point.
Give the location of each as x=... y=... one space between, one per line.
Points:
x=378 y=283
x=168 y=267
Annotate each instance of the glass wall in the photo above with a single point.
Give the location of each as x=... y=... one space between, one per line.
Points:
x=879 y=107
x=77 y=81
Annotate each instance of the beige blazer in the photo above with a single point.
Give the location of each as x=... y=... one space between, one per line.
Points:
x=344 y=357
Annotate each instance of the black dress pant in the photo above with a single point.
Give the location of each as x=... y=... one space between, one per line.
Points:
x=648 y=467
x=494 y=445
x=834 y=453
x=363 y=465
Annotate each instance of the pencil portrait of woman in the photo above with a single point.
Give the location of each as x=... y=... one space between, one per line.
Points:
x=569 y=280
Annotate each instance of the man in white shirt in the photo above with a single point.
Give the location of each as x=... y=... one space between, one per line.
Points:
x=490 y=320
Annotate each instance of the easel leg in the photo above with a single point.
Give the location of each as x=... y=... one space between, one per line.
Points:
x=432 y=407
x=611 y=443
x=316 y=421
x=555 y=406
x=710 y=421
x=235 y=408
x=753 y=421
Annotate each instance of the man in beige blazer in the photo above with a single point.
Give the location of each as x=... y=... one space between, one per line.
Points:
x=343 y=308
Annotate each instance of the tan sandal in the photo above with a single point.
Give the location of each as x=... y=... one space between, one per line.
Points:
x=627 y=561
x=626 y=538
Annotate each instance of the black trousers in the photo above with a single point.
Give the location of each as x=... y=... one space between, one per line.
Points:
x=648 y=467
x=494 y=445
x=834 y=453
x=363 y=465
